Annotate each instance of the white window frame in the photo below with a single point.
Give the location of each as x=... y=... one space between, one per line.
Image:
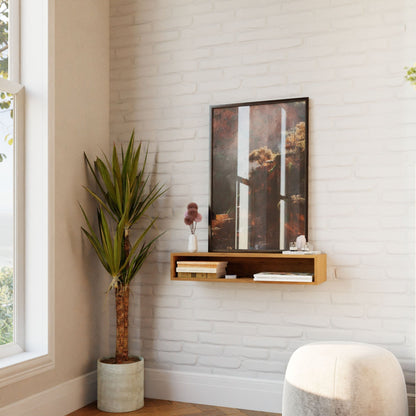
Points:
x=34 y=337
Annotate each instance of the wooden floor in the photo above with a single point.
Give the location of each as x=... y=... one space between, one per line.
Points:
x=154 y=407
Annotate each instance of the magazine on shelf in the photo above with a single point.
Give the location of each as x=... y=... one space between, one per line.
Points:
x=283 y=277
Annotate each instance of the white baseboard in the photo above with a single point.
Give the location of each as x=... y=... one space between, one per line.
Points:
x=57 y=401
x=216 y=390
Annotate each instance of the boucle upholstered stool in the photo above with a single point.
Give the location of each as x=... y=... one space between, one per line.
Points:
x=344 y=379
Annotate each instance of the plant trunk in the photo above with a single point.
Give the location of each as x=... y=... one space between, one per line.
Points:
x=122 y=314
x=122 y=311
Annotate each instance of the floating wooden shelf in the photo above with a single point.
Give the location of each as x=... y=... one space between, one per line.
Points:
x=244 y=265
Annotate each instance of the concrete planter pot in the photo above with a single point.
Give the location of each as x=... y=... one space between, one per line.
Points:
x=120 y=387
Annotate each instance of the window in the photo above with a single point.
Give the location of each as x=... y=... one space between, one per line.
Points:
x=11 y=104
x=26 y=210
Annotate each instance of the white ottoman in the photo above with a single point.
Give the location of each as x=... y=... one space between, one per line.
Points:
x=344 y=379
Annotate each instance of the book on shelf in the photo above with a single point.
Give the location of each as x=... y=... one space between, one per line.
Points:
x=283 y=277
x=206 y=270
x=301 y=252
x=197 y=263
x=201 y=269
x=199 y=275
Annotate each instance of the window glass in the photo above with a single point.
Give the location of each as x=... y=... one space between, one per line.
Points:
x=6 y=219
x=6 y=189
x=4 y=38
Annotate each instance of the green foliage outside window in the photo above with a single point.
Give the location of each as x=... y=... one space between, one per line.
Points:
x=411 y=75
x=4 y=38
x=6 y=273
x=5 y=99
x=6 y=305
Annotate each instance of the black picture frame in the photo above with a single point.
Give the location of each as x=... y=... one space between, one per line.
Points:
x=255 y=203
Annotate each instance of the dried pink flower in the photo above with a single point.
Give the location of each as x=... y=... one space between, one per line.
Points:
x=192 y=212
x=192 y=216
x=192 y=205
x=188 y=220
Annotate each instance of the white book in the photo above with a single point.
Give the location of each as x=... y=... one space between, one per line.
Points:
x=300 y=252
x=280 y=279
x=283 y=277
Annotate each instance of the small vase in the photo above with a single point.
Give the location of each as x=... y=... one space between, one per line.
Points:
x=192 y=243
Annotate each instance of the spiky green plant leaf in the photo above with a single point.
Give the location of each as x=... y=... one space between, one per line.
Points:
x=124 y=194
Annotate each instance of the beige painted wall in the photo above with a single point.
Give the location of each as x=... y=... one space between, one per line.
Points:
x=81 y=124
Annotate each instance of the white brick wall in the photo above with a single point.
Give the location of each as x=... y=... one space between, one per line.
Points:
x=170 y=60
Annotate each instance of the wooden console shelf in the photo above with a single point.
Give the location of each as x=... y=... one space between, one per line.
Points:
x=244 y=265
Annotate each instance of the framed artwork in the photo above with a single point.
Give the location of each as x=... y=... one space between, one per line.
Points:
x=259 y=175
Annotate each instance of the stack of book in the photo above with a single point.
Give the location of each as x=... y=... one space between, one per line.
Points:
x=283 y=277
x=201 y=269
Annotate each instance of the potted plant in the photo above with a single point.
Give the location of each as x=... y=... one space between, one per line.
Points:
x=123 y=196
